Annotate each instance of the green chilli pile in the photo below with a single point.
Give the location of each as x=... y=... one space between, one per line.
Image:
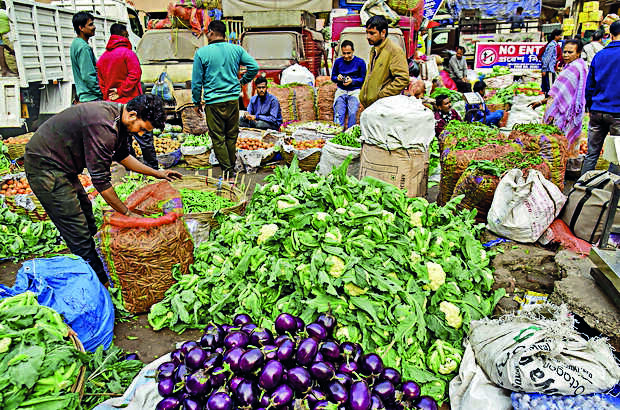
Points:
x=403 y=277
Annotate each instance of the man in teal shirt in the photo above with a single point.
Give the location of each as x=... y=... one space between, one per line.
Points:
x=215 y=71
x=83 y=61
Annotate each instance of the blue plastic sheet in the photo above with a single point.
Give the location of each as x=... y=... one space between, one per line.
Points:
x=501 y=10
x=69 y=285
x=537 y=401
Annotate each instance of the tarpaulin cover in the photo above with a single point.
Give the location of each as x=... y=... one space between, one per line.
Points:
x=501 y=9
x=237 y=7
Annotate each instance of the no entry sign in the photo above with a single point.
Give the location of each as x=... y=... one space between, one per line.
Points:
x=519 y=56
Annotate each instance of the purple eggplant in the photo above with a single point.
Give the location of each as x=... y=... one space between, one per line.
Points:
x=131 y=356
x=165 y=370
x=385 y=390
x=371 y=365
x=263 y=400
x=219 y=401
x=187 y=346
x=359 y=396
x=271 y=375
x=242 y=319
x=195 y=358
x=321 y=405
x=228 y=328
x=330 y=350
x=376 y=403
x=177 y=357
x=286 y=351
x=261 y=337
x=248 y=328
x=285 y=323
x=270 y=352
x=318 y=358
x=347 y=349
x=181 y=373
x=306 y=351
x=232 y=357
x=213 y=360
x=300 y=324
x=322 y=371
x=391 y=375
x=190 y=404
x=209 y=341
x=234 y=383
x=236 y=339
x=328 y=322
x=182 y=395
x=213 y=328
x=411 y=390
x=425 y=403
x=165 y=387
x=347 y=368
x=251 y=360
x=337 y=392
x=219 y=350
x=218 y=377
x=197 y=383
x=282 y=396
x=299 y=379
x=344 y=378
x=359 y=352
x=169 y=403
x=281 y=339
x=316 y=331
x=246 y=393
x=315 y=395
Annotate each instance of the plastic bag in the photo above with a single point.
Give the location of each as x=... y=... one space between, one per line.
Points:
x=523 y=209
x=334 y=155
x=297 y=74
x=163 y=87
x=69 y=285
x=378 y=8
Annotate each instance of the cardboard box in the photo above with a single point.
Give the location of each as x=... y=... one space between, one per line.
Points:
x=589 y=26
x=591 y=6
x=405 y=169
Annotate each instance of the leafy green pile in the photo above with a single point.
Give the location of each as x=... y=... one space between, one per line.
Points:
x=198 y=141
x=466 y=136
x=498 y=71
x=453 y=94
x=433 y=160
x=498 y=166
x=538 y=129
x=38 y=364
x=201 y=201
x=532 y=88
x=349 y=138
x=20 y=237
x=5 y=162
x=398 y=273
x=503 y=95
x=108 y=374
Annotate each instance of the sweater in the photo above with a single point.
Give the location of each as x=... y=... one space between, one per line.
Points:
x=602 y=85
x=84 y=67
x=388 y=73
x=356 y=69
x=119 y=68
x=266 y=109
x=216 y=69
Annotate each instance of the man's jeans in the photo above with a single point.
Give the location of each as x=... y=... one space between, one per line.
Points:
x=260 y=124
x=600 y=125
x=346 y=102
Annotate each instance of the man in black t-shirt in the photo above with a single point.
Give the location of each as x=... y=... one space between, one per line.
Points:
x=89 y=135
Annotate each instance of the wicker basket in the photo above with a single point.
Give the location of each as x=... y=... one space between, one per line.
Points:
x=198 y=161
x=200 y=183
x=78 y=386
x=36 y=215
x=307 y=164
x=16 y=150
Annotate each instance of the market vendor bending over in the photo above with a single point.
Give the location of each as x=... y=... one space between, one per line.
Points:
x=480 y=112
x=264 y=110
x=91 y=136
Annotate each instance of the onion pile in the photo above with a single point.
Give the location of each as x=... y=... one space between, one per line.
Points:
x=245 y=366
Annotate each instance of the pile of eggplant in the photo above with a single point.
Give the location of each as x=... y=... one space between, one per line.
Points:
x=243 y=366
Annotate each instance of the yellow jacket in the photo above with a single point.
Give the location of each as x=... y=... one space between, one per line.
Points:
x=388 y=73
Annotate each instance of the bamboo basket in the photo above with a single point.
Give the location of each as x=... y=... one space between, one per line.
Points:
x=16 y=150
x=198 y=161
x=307 y=164
x=78 y=386
x=38 y=214
x=200 y=183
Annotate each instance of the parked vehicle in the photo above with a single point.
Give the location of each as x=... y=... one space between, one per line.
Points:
x=357 y=35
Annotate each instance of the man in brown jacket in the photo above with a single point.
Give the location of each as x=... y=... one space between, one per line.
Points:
x=388 y=72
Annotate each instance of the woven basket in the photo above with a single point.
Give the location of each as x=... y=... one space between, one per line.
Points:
x=78 y=386
x=198 y=161
x=36 y=215
x=200 y=183
x=307 y=164
x=16 y=150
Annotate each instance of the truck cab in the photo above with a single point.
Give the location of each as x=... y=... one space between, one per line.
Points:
x=357 y=35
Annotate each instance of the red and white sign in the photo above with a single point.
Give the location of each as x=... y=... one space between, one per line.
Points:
x=518 y=56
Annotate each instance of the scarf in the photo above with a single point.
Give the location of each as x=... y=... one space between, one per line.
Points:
x=569 y=99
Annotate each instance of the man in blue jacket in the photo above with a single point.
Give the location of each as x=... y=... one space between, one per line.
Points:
x=603 y=98
x=348 y=73
x=216 y=68
x=264 y=109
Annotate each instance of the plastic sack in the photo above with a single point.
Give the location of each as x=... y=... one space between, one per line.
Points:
x=297 y=74
x=334 y=155
x=559 y=232
x=387 y=123
x=378 y=8
x=163 y=87
x=599 y=401
x=523 y=209
x=539 y=350
x=472 y=389
x=69 y=285
x=520 y=113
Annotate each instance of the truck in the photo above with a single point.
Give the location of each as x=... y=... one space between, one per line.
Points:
x=41 y=35
x=278 y=39
x=357 y=35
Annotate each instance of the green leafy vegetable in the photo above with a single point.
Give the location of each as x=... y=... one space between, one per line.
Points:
x=349 y=138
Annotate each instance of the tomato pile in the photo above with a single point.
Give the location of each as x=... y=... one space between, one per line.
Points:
x=17 y=140
x=15 y=186
x=252 y=144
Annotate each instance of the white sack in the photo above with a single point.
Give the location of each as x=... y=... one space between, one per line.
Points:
x=334 y=155
x=297 y=74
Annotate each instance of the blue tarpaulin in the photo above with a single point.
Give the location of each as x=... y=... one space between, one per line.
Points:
x=499 y=9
